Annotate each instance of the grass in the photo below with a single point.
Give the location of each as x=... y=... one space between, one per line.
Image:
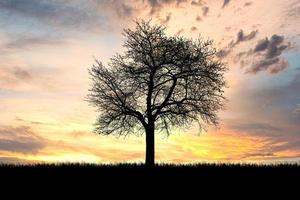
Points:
x=136 y=176
x=160 y=170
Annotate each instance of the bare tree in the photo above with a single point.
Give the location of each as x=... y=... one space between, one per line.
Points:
x=158 y=83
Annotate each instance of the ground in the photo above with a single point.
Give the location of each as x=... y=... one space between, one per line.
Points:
x=140 y=171
x=130 y=180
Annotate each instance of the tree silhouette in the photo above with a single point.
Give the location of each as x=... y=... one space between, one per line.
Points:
x=159 y=82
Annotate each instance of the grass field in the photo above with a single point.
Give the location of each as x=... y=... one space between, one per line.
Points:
x=161 y=170
x=165 y=178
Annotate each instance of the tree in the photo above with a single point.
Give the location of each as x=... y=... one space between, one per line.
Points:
x=158 y=83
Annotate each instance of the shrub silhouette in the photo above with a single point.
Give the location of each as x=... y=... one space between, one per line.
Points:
x=158 y=83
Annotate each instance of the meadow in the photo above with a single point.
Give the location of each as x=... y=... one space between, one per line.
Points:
x=214 y=179
x=140 y=171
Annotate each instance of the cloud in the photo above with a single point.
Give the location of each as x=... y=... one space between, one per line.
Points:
x=29 y=79
x=14 y=160
x=273 y=118
x=255 y=127
x=205 y=10
x=20 y=73
x=222 y=53
x=241 y=37
x=275 y=148
x=197 y=3
x=122 y=9
x=273 y=66
x=260 y=154
x=266 y=55
x=198 y=18
x=167 y=19
x=20 y=139
x=261 y=45
x=33 y=122
x=225 y=3
x=193 y=29
x=273 y=47
x=293 y=11
x=73 y=14
x=156 y=5
x=26 y=41
x=270 y=107
x=14 y=75
x=292 y=144
x=52 y=12
x=248 y=4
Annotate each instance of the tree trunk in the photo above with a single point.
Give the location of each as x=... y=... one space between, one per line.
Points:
x=150 y=147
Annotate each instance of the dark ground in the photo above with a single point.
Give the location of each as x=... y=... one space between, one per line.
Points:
x=159 y=172
x=136 y=177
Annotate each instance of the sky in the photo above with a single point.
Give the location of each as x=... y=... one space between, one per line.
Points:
x=47 y=46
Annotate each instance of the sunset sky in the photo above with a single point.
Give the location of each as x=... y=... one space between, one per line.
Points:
x=47 y=46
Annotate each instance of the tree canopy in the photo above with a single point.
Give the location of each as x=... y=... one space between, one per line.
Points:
x=169 y=80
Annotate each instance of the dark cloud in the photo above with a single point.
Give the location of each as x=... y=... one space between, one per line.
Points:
x=248 y=4
x=273 y=46
x=225 y=3
x=20 y=139
x=193 y=29
x=20 y=73
x=262 y=65
x=198 y=18
x=197 y=3
x=223 y=53
x=26 y=41
x=20 y=146
x=261 y=45
x=123 y=10
x=205 y=10
x=255 y=127
x=51 y=12
x=276 y=46
x=15 y=160
x=278 y=67
x=68 y=14
x=241 y=37
x=14 y=75
x=266 y=55
x=30 y=78
x=158 y=4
